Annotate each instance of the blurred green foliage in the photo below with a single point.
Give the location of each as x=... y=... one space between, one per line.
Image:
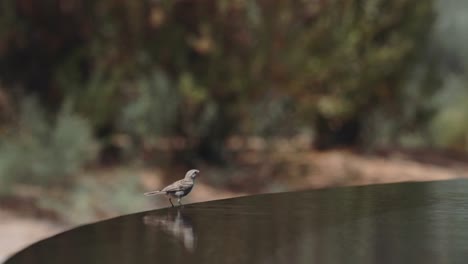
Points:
x=154 y=107
x=42 y=151
x=204 y=70
x=432 y=104
x=449 y=124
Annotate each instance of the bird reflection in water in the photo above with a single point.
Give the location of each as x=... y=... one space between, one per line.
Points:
x=175 y=224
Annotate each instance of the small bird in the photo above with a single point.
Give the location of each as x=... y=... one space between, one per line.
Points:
x=179 y=188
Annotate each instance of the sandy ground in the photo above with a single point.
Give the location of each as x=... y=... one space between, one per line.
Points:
x=323 y=169
x=17 y=232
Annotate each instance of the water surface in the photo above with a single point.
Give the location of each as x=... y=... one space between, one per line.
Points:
x=393 y=223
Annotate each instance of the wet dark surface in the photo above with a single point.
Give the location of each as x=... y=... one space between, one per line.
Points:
x=395 y=223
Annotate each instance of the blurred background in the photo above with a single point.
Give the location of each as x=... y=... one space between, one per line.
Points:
x=103 y=100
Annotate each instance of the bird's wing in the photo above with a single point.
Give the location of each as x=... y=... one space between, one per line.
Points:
x=178 y=186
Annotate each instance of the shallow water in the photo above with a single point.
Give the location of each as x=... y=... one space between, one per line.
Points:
x=393 y=223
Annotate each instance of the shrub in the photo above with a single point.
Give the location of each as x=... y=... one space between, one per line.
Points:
x=44 y=152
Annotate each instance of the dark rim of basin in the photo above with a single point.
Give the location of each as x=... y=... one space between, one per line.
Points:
x=421 y=222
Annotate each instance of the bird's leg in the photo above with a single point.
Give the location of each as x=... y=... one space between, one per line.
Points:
x=180 y=204
x=171 y=202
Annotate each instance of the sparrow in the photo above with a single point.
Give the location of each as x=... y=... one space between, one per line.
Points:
x=179 y=188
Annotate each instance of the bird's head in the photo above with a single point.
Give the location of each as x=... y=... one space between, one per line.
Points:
x=191 y=174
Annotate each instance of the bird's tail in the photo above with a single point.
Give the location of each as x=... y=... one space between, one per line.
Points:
x=154 y=193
